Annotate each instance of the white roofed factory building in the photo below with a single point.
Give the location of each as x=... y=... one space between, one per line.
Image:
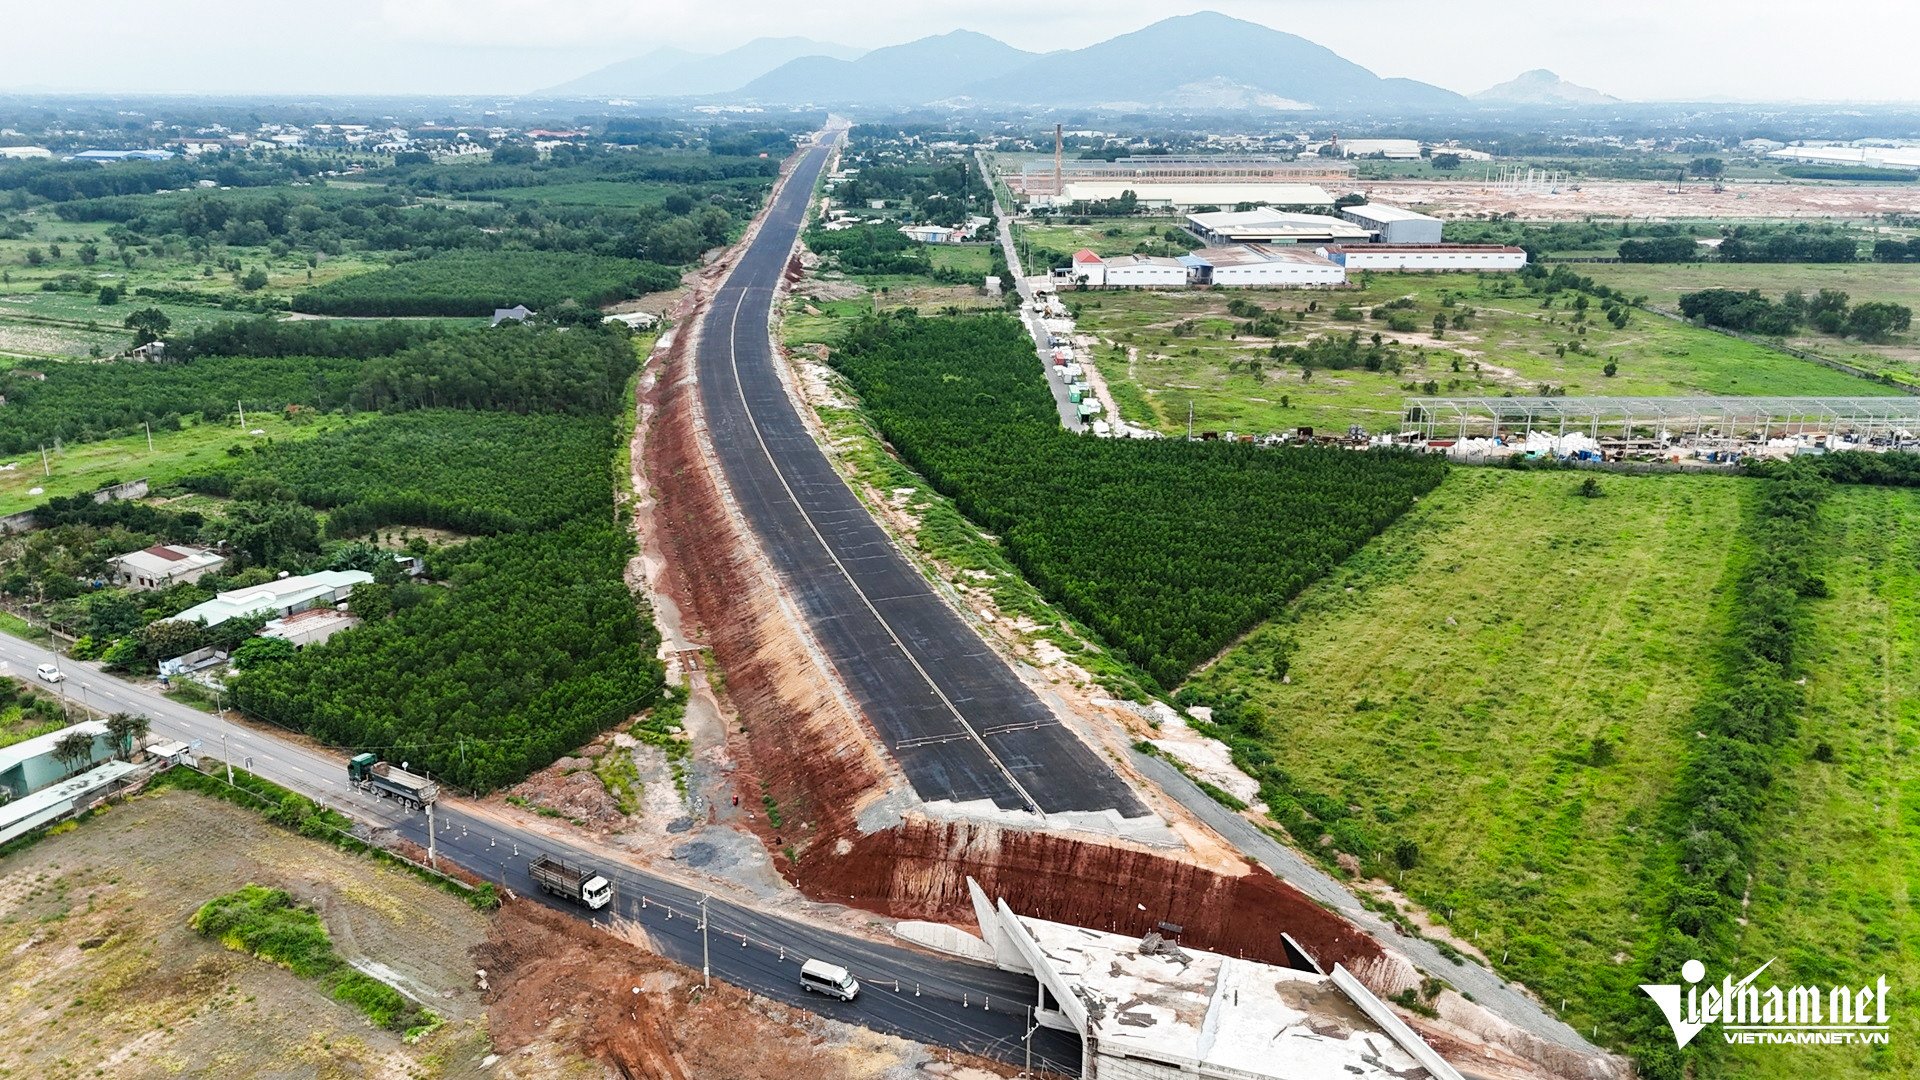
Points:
x=1431 y=258
x=1191 y=196
x=1286 y=265
x=1393 y=224
x=1145 y=272
x=1275 y=227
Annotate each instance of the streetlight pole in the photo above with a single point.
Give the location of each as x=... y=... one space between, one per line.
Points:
x=706 y=971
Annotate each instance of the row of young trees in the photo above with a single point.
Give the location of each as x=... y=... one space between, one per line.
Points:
x=1167 y=549
x=1829 y=311
x=1727 y=784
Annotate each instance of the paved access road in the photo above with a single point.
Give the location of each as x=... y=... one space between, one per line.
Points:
x=1003 y=218
x=940 y=1001
x=958 y=720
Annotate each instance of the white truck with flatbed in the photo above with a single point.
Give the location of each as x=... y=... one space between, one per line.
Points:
x=580 y=884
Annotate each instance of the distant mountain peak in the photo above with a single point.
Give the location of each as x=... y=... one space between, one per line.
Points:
x=1542 y=87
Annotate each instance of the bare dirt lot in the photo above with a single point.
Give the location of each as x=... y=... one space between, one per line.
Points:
x=558 y=985
x=104 y=977
x=1649 y=200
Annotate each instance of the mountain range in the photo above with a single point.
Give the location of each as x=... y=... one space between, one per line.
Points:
x=1194 y=62
x=1542 y=87
x=671 y=72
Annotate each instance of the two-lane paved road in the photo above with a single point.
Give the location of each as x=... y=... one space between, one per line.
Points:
x=940 y=1001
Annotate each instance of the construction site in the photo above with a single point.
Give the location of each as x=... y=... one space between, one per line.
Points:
x=1697 y=432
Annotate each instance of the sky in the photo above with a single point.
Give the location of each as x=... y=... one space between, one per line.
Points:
x=1642 y=50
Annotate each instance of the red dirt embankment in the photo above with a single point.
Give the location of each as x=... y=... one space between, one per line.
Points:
x=920 y=869
x=800 y=744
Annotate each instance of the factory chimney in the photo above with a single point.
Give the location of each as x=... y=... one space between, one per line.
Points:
x=1059 y=181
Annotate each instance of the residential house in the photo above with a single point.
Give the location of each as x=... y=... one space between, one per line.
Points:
x=163 y=565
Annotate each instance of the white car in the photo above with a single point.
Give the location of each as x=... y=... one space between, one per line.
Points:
x=50 y=673
x=820 y=977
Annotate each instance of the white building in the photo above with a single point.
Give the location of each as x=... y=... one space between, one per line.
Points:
x=1441 y=258
x=1274 y=227
x=278 y=599
x=1088 y=269
x=162 y=565
x=1145 y=272
x=1245 y=265
x=24 y=152
x=1187 y=196
x=1393 y=224
x=1148 y=1009
x=310 y=627
x=1393 y=149
x=1871 y=157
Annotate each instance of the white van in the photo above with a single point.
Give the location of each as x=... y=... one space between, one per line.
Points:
x=820 y=977
x=50 y=673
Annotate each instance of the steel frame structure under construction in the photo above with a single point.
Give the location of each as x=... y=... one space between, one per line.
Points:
x=1896 y=417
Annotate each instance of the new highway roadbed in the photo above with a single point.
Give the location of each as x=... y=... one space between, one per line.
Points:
x=955 y=716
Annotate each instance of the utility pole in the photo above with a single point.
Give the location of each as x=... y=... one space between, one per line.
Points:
x=706 y=970
x=45 y=468
x=242 y=406
x=1189 y=419
x=1028 y=1071
x=433 y=859
x=226 y=757
x=149 y=427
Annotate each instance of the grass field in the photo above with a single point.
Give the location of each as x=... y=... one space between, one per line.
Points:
x=1835 y=893
x=1512 y=345
x=1106 y=237
x=1663 y=283
x=197 y=447
x=1448 y=685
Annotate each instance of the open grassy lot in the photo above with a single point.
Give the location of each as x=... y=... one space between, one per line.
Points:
x=1506 y=679
x=105 y=978
x=1663 y=283
x=198 y=447
x=1834 y=897
x=1117 y=236
x=975 y=259
x=1166 y=349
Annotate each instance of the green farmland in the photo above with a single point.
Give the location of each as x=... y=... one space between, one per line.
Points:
x=1451 y=682
x=1164 y=350
x=89 y=466
x=1835 y=893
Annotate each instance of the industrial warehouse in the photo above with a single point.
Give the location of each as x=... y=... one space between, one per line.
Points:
x=1275 y=248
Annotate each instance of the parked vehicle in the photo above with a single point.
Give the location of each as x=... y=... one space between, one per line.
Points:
x=50 y=673
x=390 y=782
x=579 y=884
x=820 y=977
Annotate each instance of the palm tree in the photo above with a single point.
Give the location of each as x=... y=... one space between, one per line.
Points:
x=74 y=749
x=127 y=730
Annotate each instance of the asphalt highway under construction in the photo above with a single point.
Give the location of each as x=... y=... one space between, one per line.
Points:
x=954 y=715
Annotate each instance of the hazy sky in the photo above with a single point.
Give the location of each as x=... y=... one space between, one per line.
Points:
x=1756 y=50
